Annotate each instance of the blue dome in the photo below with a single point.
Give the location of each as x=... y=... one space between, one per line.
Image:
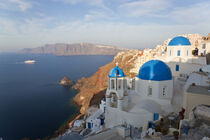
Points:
x=179 y=40
x=116 y=72
x=155 y=70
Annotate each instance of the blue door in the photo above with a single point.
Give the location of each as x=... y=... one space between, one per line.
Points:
x=151 y=125
x=102 y=121
x=177 y=67
x=89 y=125
x=156 y=116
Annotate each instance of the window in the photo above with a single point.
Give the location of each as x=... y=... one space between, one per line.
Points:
x=177 y=67
x=204 y=46
x=113 y=100
x=150 y=91
x=164 y=92
x=89 y=125
x=112 y=84
x=178 y=53
x=133 y=84
x=119 y=84
x=124 y=85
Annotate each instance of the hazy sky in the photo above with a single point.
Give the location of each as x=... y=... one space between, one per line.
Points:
x=127 y=23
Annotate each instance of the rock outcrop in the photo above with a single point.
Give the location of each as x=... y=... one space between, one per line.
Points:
x=90 y=88
x=74 y=49
x=66 y=82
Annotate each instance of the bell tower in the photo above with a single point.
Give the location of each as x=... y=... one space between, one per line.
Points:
x=117 y=88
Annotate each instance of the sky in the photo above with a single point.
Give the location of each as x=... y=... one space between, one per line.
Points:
x=125 y=23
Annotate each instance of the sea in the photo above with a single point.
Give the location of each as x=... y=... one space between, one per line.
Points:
x=32 y=103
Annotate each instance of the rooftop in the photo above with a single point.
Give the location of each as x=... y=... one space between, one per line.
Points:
x=95 y=115
x=203 y=90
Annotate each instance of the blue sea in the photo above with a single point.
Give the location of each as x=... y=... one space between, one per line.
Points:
x=32 y=103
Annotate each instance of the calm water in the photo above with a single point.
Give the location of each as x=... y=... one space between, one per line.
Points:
x=32 y=104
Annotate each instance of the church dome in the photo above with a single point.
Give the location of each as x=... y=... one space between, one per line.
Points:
x=116 y=72
x=155 y=70
x=179 y=40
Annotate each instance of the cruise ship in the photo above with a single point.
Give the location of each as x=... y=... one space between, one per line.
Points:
x=29 y=61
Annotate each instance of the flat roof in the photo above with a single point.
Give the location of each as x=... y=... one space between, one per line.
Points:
x=203 y=90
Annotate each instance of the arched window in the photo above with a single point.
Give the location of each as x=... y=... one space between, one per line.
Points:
x=178 y=53
x=133 y=84
x=149 y=91
x=177 y=67
x=119 y=84
x=112 y=84
x=204 y=46
x=124 y=85
x=114 y=100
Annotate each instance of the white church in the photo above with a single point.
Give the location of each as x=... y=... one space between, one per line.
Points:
x=151 y=97
x=180 y=58
x=148 y=96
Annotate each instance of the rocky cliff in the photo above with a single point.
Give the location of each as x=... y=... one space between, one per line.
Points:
x=74 y=49
x=92 y=89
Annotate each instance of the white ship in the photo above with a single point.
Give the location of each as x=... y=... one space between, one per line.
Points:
x=29 y=61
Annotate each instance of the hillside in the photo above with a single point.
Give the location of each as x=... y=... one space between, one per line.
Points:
x=74 y=49
x=90 y=87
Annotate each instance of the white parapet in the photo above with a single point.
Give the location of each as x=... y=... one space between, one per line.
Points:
x=120 y=104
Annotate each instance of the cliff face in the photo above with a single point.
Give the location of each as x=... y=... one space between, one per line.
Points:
x=97 y=84
x=74 y=49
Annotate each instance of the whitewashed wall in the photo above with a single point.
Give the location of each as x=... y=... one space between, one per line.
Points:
x=114 y=117
x=157 y=89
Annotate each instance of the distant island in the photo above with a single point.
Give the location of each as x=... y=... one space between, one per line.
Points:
x=66 y=82
x=61 y=49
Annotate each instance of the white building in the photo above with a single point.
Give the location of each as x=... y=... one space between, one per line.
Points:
x=197 y=90
x=150 y=98
x=181 y=59
x=95 y=122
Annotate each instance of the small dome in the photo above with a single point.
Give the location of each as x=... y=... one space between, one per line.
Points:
x=116 y=72
x=179 y=40
x=155 y=70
